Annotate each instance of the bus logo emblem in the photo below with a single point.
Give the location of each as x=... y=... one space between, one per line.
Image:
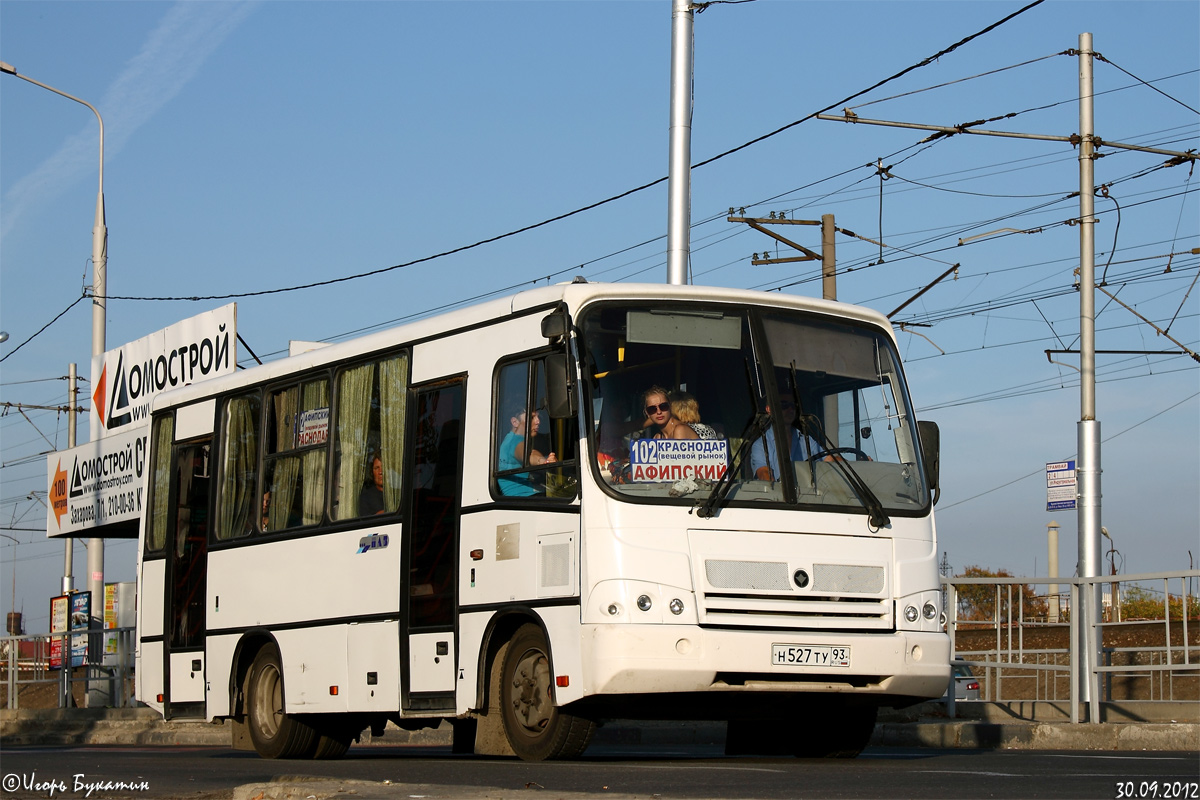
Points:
x=376 y=541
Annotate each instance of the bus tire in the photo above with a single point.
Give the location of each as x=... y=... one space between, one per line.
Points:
x=275 y=734
x=536 y=729
x=332 y=744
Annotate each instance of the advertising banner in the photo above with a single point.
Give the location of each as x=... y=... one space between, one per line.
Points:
x=195 y=349
x=70 y=612
x=97 y=483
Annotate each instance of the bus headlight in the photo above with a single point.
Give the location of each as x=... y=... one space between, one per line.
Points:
x=929 y=610
x=910 y=613
x=676 y=606
x=644 y=603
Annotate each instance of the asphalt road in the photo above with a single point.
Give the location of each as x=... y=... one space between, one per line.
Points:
x=201 y=773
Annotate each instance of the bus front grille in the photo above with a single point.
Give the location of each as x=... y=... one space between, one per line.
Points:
x=740 y=593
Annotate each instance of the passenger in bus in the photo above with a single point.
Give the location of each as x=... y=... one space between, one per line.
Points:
x=687 y=410
x=370 y=499
x=512 y=455
x=657 y=407
x=764 y=460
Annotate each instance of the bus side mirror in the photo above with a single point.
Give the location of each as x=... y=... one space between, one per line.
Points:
x=560 y=386
x=554 y=326
x=931 y=454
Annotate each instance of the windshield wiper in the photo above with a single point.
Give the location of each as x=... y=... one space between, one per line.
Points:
x=758 y=424
x=876 y=516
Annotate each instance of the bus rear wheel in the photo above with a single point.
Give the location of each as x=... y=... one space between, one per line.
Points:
x=275 y=734
x=536 y=729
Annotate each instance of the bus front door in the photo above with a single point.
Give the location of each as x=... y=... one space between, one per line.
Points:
x=431 y=546
x=187 y=565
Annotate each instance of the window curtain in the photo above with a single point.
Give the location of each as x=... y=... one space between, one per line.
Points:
x=286 y=470
x=393 y=396
x=240 y=469
x=316 y=395
x=354 y=414
x=164 y=434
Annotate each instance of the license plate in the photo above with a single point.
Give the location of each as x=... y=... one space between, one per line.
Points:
x=806 y=655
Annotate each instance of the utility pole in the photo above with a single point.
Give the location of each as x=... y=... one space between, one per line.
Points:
x=1088 y=468
x=679 y=181
x=68 y=581
x=1052 y=589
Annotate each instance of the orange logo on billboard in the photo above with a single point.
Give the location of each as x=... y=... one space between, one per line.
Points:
x=98 y=395
x=58 y=494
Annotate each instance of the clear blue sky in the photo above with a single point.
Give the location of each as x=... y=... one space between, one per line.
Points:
x=254 y=147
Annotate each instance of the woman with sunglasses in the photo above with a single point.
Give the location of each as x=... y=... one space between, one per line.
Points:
x=657 y=408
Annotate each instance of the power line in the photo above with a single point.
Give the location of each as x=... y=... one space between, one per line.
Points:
x=1040 y=470
x=627 y=193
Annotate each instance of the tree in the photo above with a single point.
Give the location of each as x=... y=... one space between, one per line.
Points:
x=979 y=602
x=1139 y=603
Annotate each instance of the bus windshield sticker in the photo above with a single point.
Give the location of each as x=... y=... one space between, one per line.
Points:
x=676 y=459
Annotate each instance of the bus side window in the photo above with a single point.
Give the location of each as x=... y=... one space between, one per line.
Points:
x=534 y=455
x=294 y=465
x=238 y=488
x=372 y=400
x=160 y=486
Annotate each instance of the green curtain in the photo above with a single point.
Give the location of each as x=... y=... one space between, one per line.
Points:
x=393 y=396
x=164 y=435
x=354 y=415
x=285 y=472
x=315 y=396
x=239 y=473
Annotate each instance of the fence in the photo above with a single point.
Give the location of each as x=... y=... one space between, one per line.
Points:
x=1027 y=645
x=27 y=664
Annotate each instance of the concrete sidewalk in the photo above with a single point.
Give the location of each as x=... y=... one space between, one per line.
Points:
x=1040 y=726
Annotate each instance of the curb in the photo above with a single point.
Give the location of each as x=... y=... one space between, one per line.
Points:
x=144 y=727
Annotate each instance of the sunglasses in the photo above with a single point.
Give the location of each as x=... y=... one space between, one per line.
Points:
x=651 y=410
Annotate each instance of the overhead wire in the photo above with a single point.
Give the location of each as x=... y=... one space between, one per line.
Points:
x=923 y=63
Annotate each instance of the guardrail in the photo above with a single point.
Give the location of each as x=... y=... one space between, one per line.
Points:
x=1035 y=639
x=27 y=662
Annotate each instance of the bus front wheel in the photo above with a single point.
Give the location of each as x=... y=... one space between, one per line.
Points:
x=274 y=733
x=535 y=728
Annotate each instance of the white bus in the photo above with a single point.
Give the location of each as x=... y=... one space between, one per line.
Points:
x=584 y=502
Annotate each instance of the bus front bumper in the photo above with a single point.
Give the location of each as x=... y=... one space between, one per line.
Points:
x=645 y=659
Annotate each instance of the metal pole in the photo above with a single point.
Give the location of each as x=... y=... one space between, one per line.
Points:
x=679 y=191
x=68 y=581
x=1052 y=547
x=1088 y=471
x=828 y=258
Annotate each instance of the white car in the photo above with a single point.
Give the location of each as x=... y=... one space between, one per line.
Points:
x=966 y=685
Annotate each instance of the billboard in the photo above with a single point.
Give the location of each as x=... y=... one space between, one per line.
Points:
x=195 y=349
x=96 y=484
x=100 y=483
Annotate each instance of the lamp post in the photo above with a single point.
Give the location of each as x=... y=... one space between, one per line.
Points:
x=99 y=230
x=99 y=293
x=1113 y=552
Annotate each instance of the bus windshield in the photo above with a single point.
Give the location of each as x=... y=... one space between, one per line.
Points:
x=767 y=406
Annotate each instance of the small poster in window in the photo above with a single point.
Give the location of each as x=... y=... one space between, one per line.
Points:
x=314 y=427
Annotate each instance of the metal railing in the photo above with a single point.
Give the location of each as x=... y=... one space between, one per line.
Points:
x=27 y=662
x=1035 y=639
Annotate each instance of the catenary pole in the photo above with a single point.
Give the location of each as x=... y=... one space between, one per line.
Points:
x=1088 y=468
x=679 y=187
